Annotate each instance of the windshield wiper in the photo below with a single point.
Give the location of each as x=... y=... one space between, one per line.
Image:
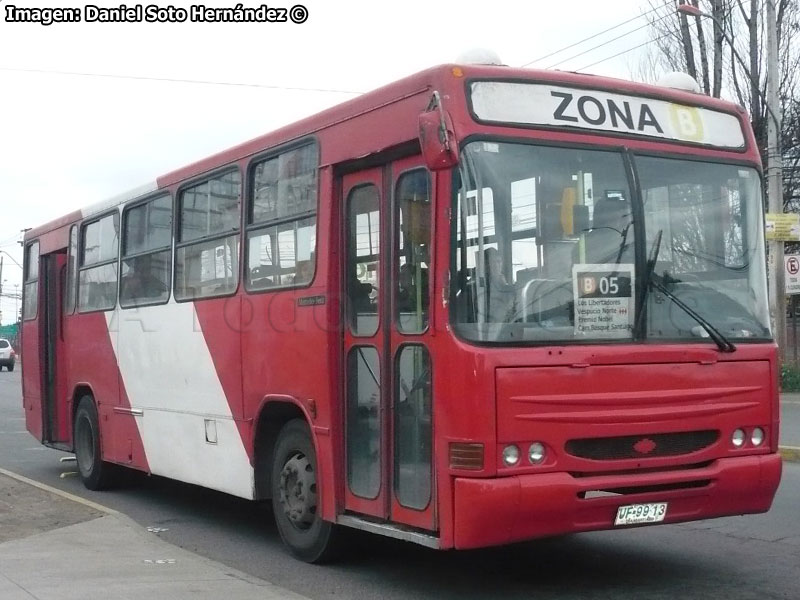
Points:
x=720 y=340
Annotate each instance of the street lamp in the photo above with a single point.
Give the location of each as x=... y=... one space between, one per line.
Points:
x=774 y=161
x=14 y=260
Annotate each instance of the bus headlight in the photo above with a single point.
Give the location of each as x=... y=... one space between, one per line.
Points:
x=757 y=437
x=510 y=455
x=536 y=453
x=738 y=437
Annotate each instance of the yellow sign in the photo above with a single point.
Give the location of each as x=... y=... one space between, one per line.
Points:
x=686 y=122
x=783 y=227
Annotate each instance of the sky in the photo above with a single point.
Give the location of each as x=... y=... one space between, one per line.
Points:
x=70 y=140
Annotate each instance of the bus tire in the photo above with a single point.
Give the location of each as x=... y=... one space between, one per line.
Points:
x=95 y=473
x=294 y=496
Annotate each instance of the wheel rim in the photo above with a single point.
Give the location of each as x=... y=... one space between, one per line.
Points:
x=298 y=491
x=84 y=446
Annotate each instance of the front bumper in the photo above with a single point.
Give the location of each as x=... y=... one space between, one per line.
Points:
x=490 y=512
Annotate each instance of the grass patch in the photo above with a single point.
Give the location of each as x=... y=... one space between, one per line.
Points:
x=790 y=379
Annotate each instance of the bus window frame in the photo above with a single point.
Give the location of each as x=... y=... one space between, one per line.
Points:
x=380 y=309
x=28 y=280
x=171 y=247
x=81 y=266
x=250 y=227
x=625 y=153
x=642 y=336
x=395 y=268
x=177 y=223
x=70 y=285
x=628 y=155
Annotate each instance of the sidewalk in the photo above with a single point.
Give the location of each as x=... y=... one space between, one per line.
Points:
x=55 y=546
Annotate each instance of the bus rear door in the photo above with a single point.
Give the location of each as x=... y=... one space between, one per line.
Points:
x=43 y=346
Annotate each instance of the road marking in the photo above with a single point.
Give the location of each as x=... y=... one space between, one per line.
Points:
x=57 y=492
x=790 y=453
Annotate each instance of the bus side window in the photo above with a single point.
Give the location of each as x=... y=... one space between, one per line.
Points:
x=282 y=220
x=146 y=253
x=30 y=290
x=207 y=248
x=97 y=276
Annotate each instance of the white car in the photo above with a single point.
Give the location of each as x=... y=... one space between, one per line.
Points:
x=7 y=355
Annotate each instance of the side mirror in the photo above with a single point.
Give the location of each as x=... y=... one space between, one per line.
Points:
x=580 y=218
x=436 y=137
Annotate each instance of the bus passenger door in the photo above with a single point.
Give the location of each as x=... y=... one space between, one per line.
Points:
x=364 y=343
x=388 y=393
x=43 y=345
x=51 y=322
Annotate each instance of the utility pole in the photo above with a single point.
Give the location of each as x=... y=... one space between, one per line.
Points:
x=777 y=290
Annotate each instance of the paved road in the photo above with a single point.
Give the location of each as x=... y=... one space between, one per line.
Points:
x=736 y=558
x=790 y=420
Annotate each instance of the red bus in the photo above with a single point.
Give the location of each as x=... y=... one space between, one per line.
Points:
x=476 y=306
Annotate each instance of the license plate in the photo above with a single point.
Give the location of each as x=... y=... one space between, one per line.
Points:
x=633 y=514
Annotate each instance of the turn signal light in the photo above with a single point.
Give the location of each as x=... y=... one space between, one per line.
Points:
x=466 y=455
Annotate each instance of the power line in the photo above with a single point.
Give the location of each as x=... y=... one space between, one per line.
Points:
x=177 y=80
x=13 y=239
x=623 y=52
x=619 y=37
x=591 y=37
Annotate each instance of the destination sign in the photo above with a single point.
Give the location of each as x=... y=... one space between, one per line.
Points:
x=557 y=106
x=603 y=299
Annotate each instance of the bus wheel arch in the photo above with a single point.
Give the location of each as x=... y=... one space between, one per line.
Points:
x=95 y=473
x=273 y=416
x=81 y=390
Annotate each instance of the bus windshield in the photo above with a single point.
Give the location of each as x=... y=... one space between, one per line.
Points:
x=545 y=247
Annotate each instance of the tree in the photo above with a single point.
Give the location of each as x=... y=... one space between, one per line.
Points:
x=732 y=64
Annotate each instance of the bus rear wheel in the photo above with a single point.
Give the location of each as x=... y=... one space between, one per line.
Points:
x=95 y=473
x=295 y=500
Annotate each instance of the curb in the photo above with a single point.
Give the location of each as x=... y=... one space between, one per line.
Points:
x=63 y=494
x=790 y=453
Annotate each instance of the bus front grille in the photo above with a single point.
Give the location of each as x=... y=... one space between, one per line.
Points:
x=642 y=446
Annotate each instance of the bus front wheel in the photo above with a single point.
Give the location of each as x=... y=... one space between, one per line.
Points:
x=95 y=473
x=295 y=499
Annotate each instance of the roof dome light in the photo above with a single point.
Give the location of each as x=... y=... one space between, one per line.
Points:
x=479 y=56
x=679 y=81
